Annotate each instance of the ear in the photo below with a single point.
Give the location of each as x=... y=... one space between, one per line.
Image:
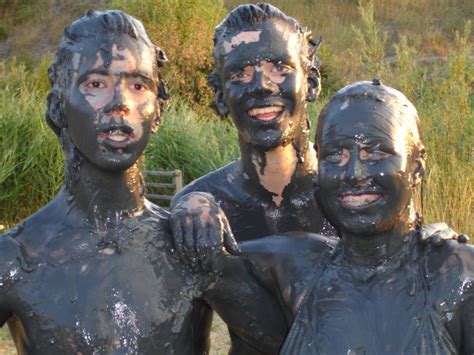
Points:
x=156 y=123
x=314 y=84
x=55 y=112
x=214 y=80
x=222 y=108
x=418 y=169
x=162 y=98
x=161 y=58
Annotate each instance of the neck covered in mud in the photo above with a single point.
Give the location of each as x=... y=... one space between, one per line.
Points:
x=375 y=249
x=103 y=195
x=275 y=168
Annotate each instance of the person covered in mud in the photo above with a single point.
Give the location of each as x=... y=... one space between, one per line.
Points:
x=376 y=290
x=379 y=291
x=265 y=71
x=92 y=271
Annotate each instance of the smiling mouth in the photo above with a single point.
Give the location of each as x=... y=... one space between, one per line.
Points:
x=115 y=138
x=267 y=113
x=359 y=201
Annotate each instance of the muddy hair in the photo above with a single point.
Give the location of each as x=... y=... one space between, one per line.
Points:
x=245 y=16
x=376 y=92
x=60 y=73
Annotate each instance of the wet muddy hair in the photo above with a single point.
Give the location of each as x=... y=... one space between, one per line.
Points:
x=377 y=92
x=89 y=27
x=248 y=15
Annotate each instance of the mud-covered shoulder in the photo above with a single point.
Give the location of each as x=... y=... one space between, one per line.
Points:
x=286 y=264
x=453 y=258
x=215 y=182
x=287 y=248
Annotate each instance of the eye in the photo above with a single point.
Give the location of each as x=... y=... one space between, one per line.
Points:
x=95 y=84
x=282 y=68
x=373 y=154
x=238 y=75
x=340 y=157
x=139 y=87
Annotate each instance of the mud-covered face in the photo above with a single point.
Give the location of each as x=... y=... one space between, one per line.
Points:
x=111 y=104
x=264 y=84
x=366 y=172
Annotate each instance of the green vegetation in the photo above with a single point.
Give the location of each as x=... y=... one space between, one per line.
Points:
x=185 y=29
x=186 y=139
x=31 y=159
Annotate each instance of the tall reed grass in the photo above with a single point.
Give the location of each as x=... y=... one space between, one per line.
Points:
x=30 y=157
x=442 y=93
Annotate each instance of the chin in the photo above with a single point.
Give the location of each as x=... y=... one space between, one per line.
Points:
x=115 y=162
x=270 y=140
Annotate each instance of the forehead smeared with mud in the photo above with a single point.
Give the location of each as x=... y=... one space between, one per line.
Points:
x=392 y=105
x=92 y=29
x=244 y=19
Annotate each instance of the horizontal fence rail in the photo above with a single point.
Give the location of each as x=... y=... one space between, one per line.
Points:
x=162 y=191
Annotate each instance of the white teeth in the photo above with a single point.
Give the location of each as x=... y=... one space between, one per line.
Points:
x=263 y=110
x=117 y=136
x=356 y=200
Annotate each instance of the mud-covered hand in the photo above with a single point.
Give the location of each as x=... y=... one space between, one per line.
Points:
x=201 y=232
x=438 y=233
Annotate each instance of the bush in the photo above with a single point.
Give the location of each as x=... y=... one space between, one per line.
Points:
x=30 y=155
x=194 y=144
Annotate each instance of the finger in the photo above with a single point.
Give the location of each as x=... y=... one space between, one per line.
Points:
x=189 y=245
x=214 y=233
x=201 y=243
x=463 y=238
x=229 y=241
x=178 y=242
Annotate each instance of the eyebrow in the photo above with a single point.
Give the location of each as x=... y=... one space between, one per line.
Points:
x=135 y=74
x=85 y=75
x=147 y=79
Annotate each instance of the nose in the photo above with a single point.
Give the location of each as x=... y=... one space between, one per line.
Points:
x=119 y=104
x=356 y=171
x=261 y=85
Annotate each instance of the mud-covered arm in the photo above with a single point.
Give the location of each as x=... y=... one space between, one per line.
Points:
x=201 y=231
x=8 y=269
x=438 y=233
x=467 y=303
x=251 y=311
x=468 y=324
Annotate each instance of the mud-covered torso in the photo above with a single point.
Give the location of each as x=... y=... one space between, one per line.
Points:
x=409 y=305
x=123 y=292
x=251 y=210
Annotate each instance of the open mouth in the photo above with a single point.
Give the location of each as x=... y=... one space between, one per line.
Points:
x=359 y=201
x=267 y=113
x=115 y=138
